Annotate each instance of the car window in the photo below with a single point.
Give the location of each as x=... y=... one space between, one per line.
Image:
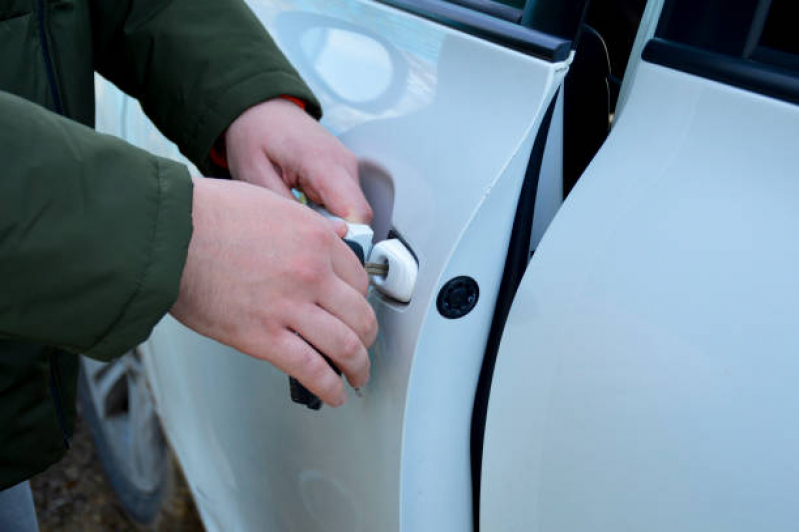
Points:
x=510 y=10
x=751 y=44
x=544 y=28
x=756 y=30
x=778 y=43
x=518 y=4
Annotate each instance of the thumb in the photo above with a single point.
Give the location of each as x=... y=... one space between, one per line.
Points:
x=339 y=227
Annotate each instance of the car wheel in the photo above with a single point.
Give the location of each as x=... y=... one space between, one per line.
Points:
x=120 y=412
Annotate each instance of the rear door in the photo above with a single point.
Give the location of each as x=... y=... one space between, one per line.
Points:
x=449 y=108
x=647 y=375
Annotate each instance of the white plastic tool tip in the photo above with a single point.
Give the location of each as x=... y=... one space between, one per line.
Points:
x=363 y=235
x=359 y=233
x=400 y=280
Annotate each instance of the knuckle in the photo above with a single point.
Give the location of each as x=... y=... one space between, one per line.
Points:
x=313 y=168
x=319 y=234
x=314 y=366
x=280 y=311
x=310 y=271
x=270 y=325
x=320 y=184
x=283 y=345
x=368 y=326
x=350 y=346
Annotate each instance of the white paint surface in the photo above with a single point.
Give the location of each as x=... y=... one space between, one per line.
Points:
x=647 y=378
x=445 y=123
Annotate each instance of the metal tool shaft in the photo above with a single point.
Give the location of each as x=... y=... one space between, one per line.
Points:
x=374 y=268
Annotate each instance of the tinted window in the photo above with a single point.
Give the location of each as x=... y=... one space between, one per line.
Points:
x=779 y=41
x=507 y=10
x=518 y=4
x=757 y=30
x=751 y=44
x=544 y=28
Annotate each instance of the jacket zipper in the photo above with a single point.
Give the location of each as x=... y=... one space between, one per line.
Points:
x=55 y=373
x=48 y=62
x=55 y=391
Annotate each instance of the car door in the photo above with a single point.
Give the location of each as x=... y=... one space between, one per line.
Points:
x=646 y=378
x=449 y=106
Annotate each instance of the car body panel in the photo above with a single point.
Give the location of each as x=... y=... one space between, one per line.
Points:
x=647 y=374
x=409 y=98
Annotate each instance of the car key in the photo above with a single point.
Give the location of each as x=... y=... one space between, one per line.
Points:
x=302 y=395
x=299 y=393
x=374 y=268
x=393 y=272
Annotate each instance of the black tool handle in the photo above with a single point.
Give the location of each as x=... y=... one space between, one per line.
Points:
x=299 y=393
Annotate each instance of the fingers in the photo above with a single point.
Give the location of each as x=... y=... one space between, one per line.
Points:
x=338 y=189
x=348 y=268
x=339 y=227
x=351 y=308
x=304 y=363
x=328 y=335
x=259 y=170
x=306 y=155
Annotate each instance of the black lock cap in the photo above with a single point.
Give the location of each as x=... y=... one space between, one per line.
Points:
x=458 y=297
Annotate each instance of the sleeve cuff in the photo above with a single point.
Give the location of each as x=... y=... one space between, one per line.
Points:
x=160 y=280
x=232 y=103
x=218 y=155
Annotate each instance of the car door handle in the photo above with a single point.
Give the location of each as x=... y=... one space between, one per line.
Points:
x=393 y=271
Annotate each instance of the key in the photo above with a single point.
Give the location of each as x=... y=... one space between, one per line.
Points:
x=374 y=268
x=299 y=393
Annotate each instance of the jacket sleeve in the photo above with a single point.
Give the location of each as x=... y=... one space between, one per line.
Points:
x=195 y=65
x=93 y=233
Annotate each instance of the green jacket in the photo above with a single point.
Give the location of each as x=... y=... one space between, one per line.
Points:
x=94 y=232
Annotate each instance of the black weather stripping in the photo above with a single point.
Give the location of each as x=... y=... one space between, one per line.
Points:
x=515 y=265
x=491 y=28
x=495 y=9
x=780 y=83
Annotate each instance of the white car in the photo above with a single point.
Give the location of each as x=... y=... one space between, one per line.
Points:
x=626 y=359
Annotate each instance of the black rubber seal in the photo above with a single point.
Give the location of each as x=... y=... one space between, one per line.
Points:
x=495 y=9
x=515 y=266
x=496 y=30
x=764 y=79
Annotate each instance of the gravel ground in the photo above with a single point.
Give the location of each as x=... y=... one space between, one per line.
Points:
x=73 y=496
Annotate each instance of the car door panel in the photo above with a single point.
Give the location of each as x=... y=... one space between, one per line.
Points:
x=646 y=375
x=445 y=121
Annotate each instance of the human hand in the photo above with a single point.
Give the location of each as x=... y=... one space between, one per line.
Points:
x=261 y=268
x=276 y=145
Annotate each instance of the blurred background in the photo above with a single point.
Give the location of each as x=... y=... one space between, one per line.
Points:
x=73 y=495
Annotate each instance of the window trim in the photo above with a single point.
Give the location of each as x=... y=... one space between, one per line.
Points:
x=493 y=29
x=490 y=7
x=761 y=78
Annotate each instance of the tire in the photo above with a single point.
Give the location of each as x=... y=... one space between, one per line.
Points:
x=135 y=456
